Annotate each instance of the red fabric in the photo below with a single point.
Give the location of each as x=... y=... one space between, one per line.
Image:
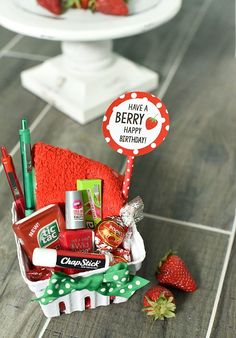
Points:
x=57 y=170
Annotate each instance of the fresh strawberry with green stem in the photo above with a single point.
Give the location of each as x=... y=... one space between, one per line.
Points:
x=173 y=271
x=151 y=123
x=117 y=7
x=54 y=6
x=159 y=303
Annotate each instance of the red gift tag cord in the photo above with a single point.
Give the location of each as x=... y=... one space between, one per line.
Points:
x=128 y=175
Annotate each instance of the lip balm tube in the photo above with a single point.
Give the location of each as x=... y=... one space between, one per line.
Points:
x=74 y=210
x=70 y=259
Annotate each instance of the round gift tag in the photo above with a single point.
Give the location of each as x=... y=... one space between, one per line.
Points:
x=136 y=123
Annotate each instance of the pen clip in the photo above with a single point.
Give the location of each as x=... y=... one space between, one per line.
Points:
x=14 y=185
x=28 y=157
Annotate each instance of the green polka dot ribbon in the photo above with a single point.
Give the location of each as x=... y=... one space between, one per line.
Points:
x=116 y=281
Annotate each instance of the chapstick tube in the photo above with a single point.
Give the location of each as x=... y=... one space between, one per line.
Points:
x=74 y=210
x=70 y=259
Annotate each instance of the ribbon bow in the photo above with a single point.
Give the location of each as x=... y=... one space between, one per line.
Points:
x=116 y=281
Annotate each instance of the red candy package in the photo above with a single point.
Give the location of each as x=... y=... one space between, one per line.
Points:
x=41 y=229
x=110 y=233
x=38 y=273
x=121 y=255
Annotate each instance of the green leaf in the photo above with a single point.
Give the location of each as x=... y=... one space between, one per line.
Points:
x=68 y=3
x=160 y=309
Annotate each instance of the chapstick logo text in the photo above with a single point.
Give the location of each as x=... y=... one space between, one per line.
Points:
x=81 y=263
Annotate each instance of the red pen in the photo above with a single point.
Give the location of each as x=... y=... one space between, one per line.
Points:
x=13 y=181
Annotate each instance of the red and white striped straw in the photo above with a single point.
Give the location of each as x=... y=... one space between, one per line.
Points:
x=128 y=175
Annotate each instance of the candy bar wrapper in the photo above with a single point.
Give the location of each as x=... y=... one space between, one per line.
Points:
x=121 y=255
x=92 y=199
x=38 y=273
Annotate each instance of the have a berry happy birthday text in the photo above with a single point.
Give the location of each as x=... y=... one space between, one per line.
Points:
x=133 y=123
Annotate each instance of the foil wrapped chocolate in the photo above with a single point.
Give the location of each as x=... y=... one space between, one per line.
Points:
x=110 y=233
x=38 y=273
x=117 y=231
x=121 y=255
x=132 y=211
x=131 y=214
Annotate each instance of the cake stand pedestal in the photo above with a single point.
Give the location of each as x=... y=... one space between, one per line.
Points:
x=88 y=75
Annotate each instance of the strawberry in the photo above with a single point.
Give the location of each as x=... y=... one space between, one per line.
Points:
x=159 y=302
x=54 y=6
x=173 y=271
x=151 y=123
x=112 y=7
x=84 y=4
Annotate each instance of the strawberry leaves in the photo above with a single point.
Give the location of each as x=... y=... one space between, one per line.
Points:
x=161 y=309
x=159 y=303
x=70 y=3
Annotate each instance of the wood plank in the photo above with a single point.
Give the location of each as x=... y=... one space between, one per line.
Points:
x=158 y=48
x=198 y=248
x=225 y=320
x=5 y=36
x=38 y=46
x=15 y=101
x=192 y=175
x=20 y=317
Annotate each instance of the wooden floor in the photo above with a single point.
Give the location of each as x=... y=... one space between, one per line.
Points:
x=188 y=185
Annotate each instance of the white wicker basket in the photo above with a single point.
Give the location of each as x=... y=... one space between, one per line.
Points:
x=76 y=300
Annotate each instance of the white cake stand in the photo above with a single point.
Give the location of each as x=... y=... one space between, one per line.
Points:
x=87 y=76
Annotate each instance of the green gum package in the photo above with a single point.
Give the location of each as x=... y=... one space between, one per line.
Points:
x=92 y=200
